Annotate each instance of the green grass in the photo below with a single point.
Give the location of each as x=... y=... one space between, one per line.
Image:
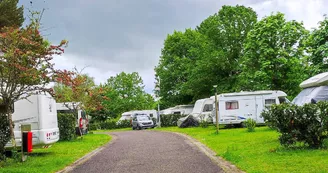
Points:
x=60 y=155
x=258 y=151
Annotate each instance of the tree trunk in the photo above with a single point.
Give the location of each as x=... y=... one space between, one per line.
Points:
x=11 y=127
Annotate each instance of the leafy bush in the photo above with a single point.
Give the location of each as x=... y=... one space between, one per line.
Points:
x=94 y=126
x=250 y=124
x=4 y=134
x=123 y=124
x=66 y=124
x=108 y=125
x=170 y=120
x=307 y=124
x=203 y=121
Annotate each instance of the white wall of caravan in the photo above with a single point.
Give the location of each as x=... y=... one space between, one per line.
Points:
x=40 y=112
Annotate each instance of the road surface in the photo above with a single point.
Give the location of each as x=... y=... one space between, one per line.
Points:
x=148 y=151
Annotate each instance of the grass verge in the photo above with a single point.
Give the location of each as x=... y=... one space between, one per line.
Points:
x=53 y=159
x=258 y=151
x=113 y=130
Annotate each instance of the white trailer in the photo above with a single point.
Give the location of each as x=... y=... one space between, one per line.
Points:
x=234 y=108
x=126 y=116
x=81 y=119
x=40 y=112
x=314 y=89
x=203 y=109
x=179 y=109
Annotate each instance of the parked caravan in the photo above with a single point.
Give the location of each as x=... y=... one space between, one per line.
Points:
x=179 y=109
x=314 y=89
x=203 y=109
x=40 y=112
x=81 y=119
x=126 y=116
x=234 y=108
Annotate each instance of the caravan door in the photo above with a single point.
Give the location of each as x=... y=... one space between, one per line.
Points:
x=259 y=108
x=248 y=108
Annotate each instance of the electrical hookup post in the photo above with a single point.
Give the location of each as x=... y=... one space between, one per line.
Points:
x=27 y=136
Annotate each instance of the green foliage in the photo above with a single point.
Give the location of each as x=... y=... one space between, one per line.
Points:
x=10 y=14
x=4 y=133
x=170 y=120
x=307 y=124
x=126 y=93
x=203 y=121
x=109 y=125
x=274 y=56
x=318 y=46
x=66 y=124
x=250 y=124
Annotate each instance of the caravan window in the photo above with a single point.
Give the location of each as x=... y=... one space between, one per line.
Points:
x=232 y=105
x=177 y=113
x=151 y=115
x=208 y=108
x=269 y=102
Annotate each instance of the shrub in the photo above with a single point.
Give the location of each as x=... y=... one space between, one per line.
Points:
x=66 y=124
x=123 y=124
x=203 y=121
x=4 y=134
x=108 y=125
x=250 y=124
x=170 y=120
x=307 y=124
x=94 y=126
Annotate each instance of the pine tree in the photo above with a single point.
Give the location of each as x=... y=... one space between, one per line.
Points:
x=11 y=14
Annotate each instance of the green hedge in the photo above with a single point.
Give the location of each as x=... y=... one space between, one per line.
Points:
x=307 y=124
x=110 y=124
x=66 y=124
x=170 y=119
x=4 y=134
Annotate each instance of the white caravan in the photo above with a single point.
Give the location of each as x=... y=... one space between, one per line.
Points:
x=40 y=112
x=314 y=89
x=179 y=109
x=150 y=113
x=81 y=119
x=126 y=116
x=203 y=109
x=234 y=108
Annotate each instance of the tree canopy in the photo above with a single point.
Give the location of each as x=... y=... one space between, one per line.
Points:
x=11 y=14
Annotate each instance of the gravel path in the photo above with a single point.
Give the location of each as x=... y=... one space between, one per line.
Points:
x=149 y=151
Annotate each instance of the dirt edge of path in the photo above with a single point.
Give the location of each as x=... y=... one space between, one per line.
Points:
x=87 y=156
x=225 y=165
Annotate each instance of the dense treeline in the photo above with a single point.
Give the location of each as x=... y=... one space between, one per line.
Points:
x=233 y=50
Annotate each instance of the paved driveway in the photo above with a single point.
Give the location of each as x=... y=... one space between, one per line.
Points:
x=149 y=151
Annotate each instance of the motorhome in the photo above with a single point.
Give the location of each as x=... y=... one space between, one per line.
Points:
x=81 y=116
x=314 y=89
x=179 y=109
x=203 y=109
x=40 y=112
x=234 y=108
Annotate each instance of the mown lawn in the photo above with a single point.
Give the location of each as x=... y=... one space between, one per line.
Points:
x=53 y=159
x=258 y=151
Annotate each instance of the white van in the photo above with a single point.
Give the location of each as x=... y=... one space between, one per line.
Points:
x=179 y=109
x=234 y=108
x=81 y=118
x=40 y=112
x=314 y=89
x=203 y=109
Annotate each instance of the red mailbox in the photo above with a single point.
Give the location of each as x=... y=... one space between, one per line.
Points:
x=27 y=142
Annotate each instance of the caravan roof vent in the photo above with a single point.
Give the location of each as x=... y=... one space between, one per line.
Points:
x=317 y=80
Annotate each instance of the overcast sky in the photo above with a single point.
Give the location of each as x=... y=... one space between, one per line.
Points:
x=111 y=36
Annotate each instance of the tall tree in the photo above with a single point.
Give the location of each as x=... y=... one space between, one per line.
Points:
x=126 y=93
x=227 y=30
x=10 y=14
x=274 y=56
x=179 y=55
x=25 y=66
x=318 y=46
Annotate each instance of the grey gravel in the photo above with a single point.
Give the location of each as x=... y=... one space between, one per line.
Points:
x=149 y=151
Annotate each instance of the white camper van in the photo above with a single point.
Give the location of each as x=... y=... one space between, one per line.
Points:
x=81 y=119
x=40 y=112
x=179 y=109
x=234 y=108
x=203 y=107
x=314 y=89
